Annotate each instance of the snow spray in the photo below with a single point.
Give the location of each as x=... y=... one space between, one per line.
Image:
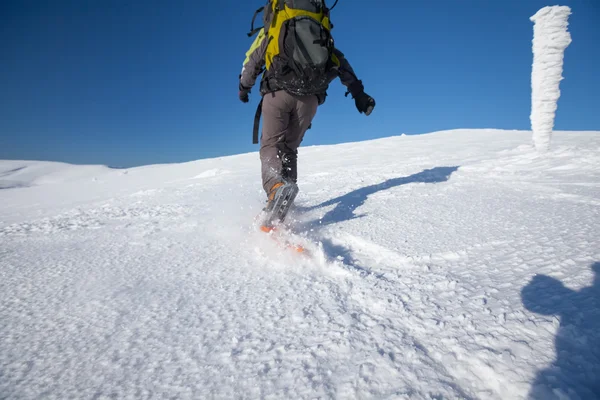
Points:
x=550 y=39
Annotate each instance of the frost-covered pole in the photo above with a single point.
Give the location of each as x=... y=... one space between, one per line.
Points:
x=550 y=39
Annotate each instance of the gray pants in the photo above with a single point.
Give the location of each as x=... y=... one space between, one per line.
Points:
x=285 y=120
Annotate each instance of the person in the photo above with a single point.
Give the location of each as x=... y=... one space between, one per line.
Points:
x=288 y=109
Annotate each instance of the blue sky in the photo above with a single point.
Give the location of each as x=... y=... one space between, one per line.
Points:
x=127 y=83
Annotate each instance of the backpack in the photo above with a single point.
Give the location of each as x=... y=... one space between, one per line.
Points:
x=299 y=53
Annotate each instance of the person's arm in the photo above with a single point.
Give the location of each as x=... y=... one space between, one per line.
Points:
x=347 y=75
x=364 y=102
x=254 y=63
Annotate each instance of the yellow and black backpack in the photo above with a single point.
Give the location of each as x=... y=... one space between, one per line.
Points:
x=300 y=46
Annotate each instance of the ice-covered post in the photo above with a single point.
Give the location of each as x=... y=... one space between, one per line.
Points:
x=550 y=39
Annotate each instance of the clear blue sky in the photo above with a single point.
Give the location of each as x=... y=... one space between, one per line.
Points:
x=128 y=83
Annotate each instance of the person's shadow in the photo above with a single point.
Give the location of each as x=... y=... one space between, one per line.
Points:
x=575 y=374
x=347 y=204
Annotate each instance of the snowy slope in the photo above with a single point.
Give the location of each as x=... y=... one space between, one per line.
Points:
x=451 y=265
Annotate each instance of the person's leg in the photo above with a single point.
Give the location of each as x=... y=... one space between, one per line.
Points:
x=276 y=114
x=303 y=111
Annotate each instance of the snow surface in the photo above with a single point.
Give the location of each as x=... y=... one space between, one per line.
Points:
x=550 y=39
x=458 y=264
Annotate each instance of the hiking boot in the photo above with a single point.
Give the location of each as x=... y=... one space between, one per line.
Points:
x=272 y=194
x=279 y=200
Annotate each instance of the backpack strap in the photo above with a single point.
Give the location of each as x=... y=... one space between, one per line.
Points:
x=257 y=122
x=254 y=31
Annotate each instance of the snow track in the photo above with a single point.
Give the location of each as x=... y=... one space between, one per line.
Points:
x=151 y=282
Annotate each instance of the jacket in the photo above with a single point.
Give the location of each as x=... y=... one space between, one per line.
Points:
x=254 y=65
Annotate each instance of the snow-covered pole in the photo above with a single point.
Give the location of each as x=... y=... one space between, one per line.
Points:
x=550 y=39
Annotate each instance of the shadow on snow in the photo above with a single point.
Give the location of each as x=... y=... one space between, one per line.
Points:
x=575 y=374
x=347 y=204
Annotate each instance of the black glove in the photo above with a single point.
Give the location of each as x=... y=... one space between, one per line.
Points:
x=243 y=93
x=364 y=103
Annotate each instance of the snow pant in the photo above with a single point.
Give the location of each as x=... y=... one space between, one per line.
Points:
x=285 y=118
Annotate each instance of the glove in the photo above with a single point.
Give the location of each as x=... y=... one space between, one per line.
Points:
x=364 y=103
x=243 y=93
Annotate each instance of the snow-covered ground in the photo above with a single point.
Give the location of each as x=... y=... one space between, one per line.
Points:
x=457 y=264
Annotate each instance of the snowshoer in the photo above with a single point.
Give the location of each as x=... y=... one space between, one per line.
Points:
x=297 y=57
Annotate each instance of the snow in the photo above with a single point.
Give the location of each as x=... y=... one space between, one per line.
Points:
x=550 y=39
x=458 y=265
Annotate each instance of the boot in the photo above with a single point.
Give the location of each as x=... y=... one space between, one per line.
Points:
x=279 y=200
